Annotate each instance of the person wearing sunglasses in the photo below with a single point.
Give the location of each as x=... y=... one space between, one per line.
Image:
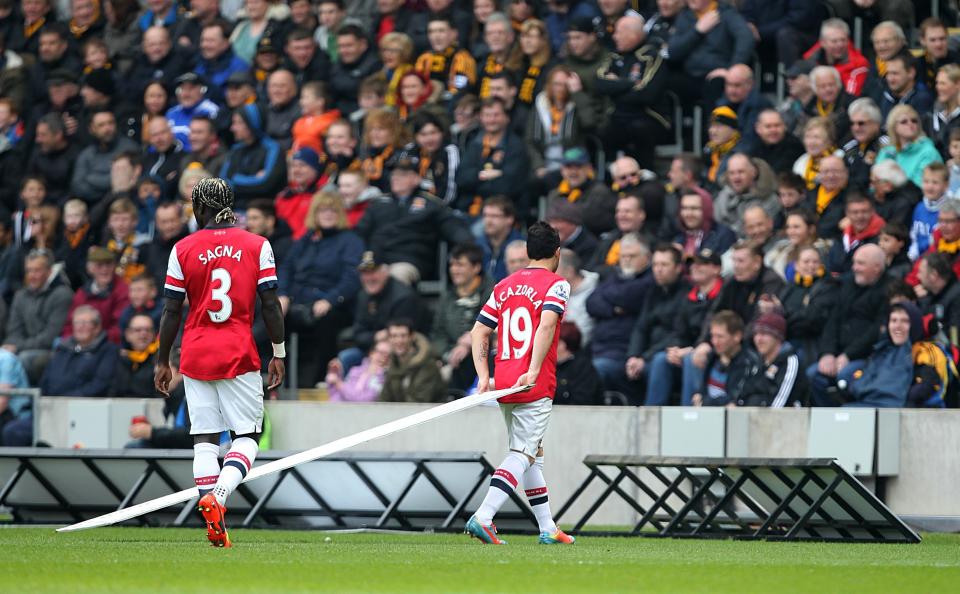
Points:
x=909 y=146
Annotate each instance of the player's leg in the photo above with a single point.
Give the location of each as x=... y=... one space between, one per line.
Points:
x=241 y=400
x=206 y=425
x=535 y=488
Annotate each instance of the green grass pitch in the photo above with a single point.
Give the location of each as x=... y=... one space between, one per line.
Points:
x=146 y=560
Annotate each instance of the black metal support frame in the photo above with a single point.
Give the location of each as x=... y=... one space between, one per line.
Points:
x=709 y=491
x=391 y=516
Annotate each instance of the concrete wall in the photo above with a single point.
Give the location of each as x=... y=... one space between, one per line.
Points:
x=927 y=482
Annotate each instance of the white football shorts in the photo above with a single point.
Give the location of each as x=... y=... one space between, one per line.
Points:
x=228 y=404
x=526 y=424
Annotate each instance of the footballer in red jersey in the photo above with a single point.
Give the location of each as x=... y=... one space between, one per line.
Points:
x=220 y=269
x=525 y=309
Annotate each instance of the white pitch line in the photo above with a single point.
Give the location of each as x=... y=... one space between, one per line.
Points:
x=327 y=449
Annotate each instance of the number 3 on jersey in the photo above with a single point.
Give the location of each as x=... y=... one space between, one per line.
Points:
x=220 y=294
x=517 y=328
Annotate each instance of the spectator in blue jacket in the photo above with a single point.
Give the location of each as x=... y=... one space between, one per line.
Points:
x=884 y=379
x=319 y=283
x=83 y=364
x=901 y=86
x=190 y=104
x=255 y=166
x=499 y=230
x=616 y=304
x=161 y=13
x=217 y=60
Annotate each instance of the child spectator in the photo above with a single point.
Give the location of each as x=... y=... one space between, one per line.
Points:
x=33 y=191
x=96 y=56
x=893 y=240
x=77 y=240
x=357 y=195
x=122 y=240
x=371 y=95
x=791 y=190
x=363 y=382
x=143 y=301
x=935 y=183
x=311 y=127
x=149 y=194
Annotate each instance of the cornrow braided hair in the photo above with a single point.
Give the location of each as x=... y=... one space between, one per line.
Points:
x=215 y=193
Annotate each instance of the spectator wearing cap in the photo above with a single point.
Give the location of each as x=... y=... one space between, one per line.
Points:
x=37 y=314
x=698 y=229
x=320 y=284
x=729 y=365
x=266 y=61
x=381 y=298
x=91 y=173
x=782 y=29
x=708 y=38
x=778 y=381
x=158 y=60
x=835 y=49
x=799 y=93
x=106 y=292
x=53 y=53
x=634 y=80
x=83 y=362
x=724 y=140
x=863 y=227
x=748 y=182
x=577 y=380
x=304 y=59
x=191 y=103
x=495 y=162
x=945 y=239
x=254 y=165
x=355 y=62
x=742 y=95
x=567 y=219
x=206 y=149
x=630 y=217
x=615 y=306
x=293 y=203
x=653 y=331
x=578 y=186
x=774 y=142
x=283 y=108
x=241 y=90
x=62 y=99
x=316 y=116
x=861 y=151
x=217 y=61
x=262 y=220
x=406 y=225
x=53 y=157
x=852 y=326
x=163 y=157
x=584 y=57
x=900 y=86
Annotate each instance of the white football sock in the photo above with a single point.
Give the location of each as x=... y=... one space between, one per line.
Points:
x=504 y=481
x=236 y=465
x=535 y=487
x=206 y=466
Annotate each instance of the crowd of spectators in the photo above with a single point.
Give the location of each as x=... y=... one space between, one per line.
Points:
x=806 y=254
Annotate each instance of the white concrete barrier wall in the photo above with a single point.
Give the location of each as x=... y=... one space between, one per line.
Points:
x=929 y=469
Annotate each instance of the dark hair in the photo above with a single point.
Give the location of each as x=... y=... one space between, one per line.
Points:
x=853 y=197
x=54 y=121
x=503 y=203
x=473 y=102
x=32 y=178
x=318 y=88
x=141 y=315
x=494 y=102
x=635 y=196
x=339 y=3
x=470 y=251
x=729 y=320
x=443 y=17
x=144 y=278
x=570 y=335
x=542 y=241
x=401 y=322
x=898 y=287
x=505 y=75
x=264 y=205
x=955 y=135
x=352 y=29
x=56 y=28
x=808 y=216
x=745 y=244
x=896 y=230
x=207 y=120
x=904 y=57
x=299 y=34
x=791 y=180
x=423 y=119
x=930 y=23
x=221 y=24
x=691 y=163
x=125 y=11
x=669 y=248
x=940 y=263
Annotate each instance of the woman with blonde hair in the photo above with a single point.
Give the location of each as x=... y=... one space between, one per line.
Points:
x=535 y=46
x=318 y=284
x=383 y=137
x=396 y=53
x=945 y=116
x=819 y=141
x=909 y=146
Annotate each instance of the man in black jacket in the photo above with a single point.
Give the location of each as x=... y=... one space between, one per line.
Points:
x=653 y=330
x=942 y=299
x=355 y=62
x=729 y=366
x=53 y=157
x=853 y=325
x=774 y=143
x=777 y=381
x=634 y=79
x=406 y=227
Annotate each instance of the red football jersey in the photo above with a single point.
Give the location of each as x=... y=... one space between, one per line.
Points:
x=514 y=310
x=219 y=271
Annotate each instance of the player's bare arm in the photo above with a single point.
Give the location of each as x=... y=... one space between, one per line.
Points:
x=169 y=326
x=542 y=340
x=273 y=320
x=480 y=343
